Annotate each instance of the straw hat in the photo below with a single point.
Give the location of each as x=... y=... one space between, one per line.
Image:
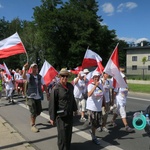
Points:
x=63 y=71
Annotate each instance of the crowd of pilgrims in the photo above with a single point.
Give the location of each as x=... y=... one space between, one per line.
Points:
x=95 y=98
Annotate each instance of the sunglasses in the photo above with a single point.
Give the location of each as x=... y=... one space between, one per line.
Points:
x=64 y=76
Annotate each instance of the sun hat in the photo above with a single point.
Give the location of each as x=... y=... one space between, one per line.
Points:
x=32 y=65
x=64 y=71
x=86 y=71
x=95 y=73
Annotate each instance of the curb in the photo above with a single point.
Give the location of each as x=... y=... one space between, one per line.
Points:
x=25 y=144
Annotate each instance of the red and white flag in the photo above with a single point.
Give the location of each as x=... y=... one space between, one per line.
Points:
x=90 y=59
x=112 y=68
x=7 y=71
x=11 y=46
x=76 y=70
x=100 y=67
x=48 y=72
x=2 y=66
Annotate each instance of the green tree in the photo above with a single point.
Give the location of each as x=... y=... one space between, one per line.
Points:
x=144 y=60
x=66 y=31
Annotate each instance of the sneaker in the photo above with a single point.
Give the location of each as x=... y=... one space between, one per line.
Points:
x=105 y=129
x=82 y=119
x=96 y=141
x=128 y=129
x=99 y=129
x=23 y=96
x=113 y=124
x=34 y=129
x=12 y=101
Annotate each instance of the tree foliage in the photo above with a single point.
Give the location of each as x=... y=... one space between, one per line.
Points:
x=61 y=33
x=69 y=29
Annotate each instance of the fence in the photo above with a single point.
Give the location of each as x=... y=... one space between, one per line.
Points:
x=139 y=73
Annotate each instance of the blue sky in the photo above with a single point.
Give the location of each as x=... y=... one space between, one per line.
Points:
x=130 y=18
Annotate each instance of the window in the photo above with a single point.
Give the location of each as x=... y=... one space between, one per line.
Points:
x=134 y=67
x=148 y=67
x=134 y=58
x=148 y=58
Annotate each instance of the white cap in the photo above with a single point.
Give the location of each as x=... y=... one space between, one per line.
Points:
x=95 y=73
x=82 y=74
x=34 y=64
x=86 y=71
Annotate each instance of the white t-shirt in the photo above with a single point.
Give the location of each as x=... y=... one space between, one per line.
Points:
x=94 y=102
x=16 y=76
x=8 y=83
x=36 y=96
x=106 y=87
x=79 y=88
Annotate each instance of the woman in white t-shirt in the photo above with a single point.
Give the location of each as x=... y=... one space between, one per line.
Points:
x=94 y=104
x=9 y=86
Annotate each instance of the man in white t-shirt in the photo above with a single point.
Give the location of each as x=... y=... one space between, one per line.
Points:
x=34 y=93
x=80 y=94
x=121 y=97
x=107 y=86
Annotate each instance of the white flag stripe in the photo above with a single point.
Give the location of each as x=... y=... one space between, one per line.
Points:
x=90 y=54
x=6 y=69
x=113 y=71
x=10 y=41
x=45 y=68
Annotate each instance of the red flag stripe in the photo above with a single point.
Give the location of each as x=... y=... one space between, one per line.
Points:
x=17 y=49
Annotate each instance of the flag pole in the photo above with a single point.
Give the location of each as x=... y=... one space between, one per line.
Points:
x=26 y=53
x=24 y=49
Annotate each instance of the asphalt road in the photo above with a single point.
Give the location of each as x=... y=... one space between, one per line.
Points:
x=18 y=116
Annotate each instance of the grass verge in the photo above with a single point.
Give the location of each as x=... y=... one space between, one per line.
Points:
x=142 y=88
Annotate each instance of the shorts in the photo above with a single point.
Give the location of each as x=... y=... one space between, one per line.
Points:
x=81 y=103
x=35 y=107
x=121 y=110
x=95 y=118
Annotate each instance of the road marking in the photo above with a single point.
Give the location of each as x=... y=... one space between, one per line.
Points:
x=139 y=98
x=105 y=145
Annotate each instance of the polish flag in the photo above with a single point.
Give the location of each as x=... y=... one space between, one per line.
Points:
x=7 y=71
x=2 y=66
x=112 y=68
x=11 y=46
x=76 y=70
x=48 y=72
x=100 y=67
x=90 y=59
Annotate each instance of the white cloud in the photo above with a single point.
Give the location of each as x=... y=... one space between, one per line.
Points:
x=108 y=8
x=127 y=6
x=141 y=39
x=1 y=6
x=130 y=40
